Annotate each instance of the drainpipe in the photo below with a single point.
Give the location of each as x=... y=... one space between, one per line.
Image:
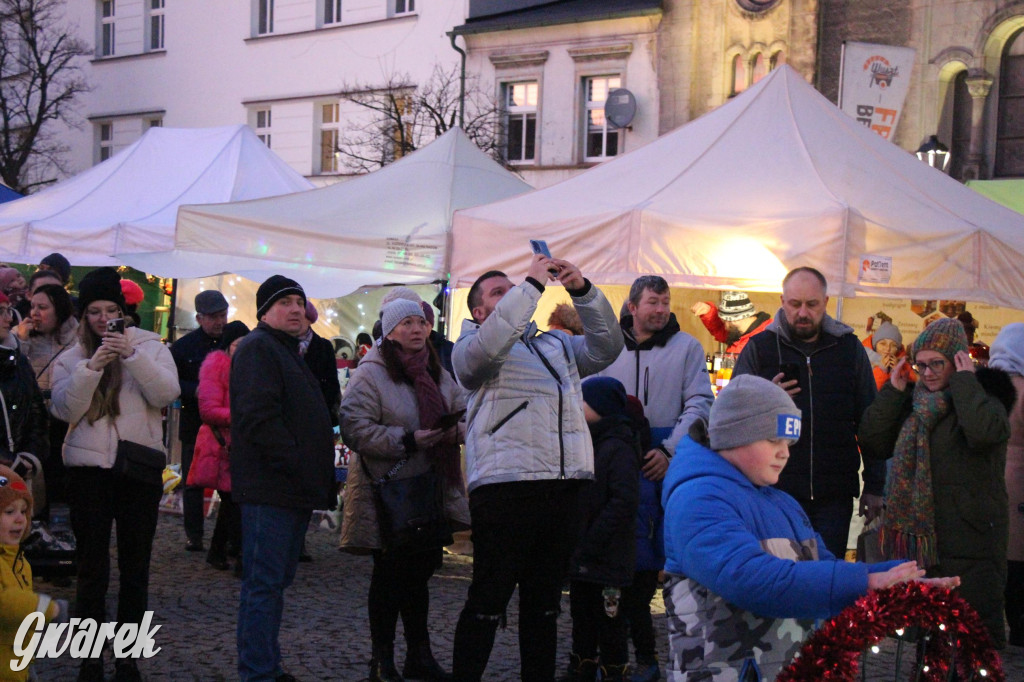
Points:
x=462 y=81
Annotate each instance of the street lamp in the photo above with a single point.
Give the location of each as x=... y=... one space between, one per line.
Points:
x=935 y=153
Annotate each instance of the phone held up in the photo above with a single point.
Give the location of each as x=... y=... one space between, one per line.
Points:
x=116 y=325
x=539 y=246
x=790 y=371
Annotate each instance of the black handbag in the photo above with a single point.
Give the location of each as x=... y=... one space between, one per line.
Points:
x=410 y=511
x=139 y=462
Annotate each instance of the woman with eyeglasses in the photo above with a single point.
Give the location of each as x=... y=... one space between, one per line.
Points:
x=50 y=330
x=23 y=423
x=110 y=387
x=946 y=503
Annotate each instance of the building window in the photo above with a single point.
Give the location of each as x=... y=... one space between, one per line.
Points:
x=263 y=126
x=265 y=17
x=107 y=28
x=154 y=123
x=332 y=12
x=601 y=141
x=404 y=6
x=739 y=75
x=521 y=121
x=329 y=138
x=156 y=24
x=758 y=68
x=106 y=141
x=778 y=59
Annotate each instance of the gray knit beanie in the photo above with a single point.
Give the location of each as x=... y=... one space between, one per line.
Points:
x=750 y=409
x=396 y=311
x=396 y=293
x=886 y=330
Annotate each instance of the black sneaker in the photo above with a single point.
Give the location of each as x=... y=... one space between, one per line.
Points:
x=194 y=546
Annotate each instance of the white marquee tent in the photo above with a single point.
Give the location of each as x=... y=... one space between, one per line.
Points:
x=774 y=179
x=130 y=201
x=390 y=226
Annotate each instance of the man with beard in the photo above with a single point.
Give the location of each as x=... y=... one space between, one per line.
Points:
x=665 y=369
x=823 y=366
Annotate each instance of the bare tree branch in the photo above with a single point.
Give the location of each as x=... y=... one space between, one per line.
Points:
x=40 y=81
x=405 y=116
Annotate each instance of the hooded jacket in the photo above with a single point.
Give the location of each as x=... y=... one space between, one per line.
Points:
x=968 y=462
x=149 y=382
x=606 y=551
x=669 y=374
x=211 y=460
x=747 y=573
x=282 y=442
x=525 y=408
x=17 y=600
x=837 y=385
x=376 y=416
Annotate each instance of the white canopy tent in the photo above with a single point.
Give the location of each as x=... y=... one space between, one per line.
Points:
x=130 y=201
x=390 y=226
x=774 y=179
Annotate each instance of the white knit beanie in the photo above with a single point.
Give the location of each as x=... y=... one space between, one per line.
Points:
x=750 y=409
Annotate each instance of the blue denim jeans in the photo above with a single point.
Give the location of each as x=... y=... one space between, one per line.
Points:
x=271 y=543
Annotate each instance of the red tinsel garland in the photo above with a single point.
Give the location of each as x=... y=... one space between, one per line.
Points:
x=833 y=652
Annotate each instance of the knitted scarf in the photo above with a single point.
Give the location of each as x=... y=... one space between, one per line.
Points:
x=908 y=524
x=445 y=456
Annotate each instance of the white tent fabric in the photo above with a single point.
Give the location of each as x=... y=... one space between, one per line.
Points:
x=130 y=201
x=390 y=226
x=774 y=179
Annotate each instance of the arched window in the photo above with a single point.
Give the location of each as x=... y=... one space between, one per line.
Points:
x=758 y=68
x=1010 y=124
x=777 y=60
x=739 y=74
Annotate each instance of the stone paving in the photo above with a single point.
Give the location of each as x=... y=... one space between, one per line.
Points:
x=324 y=635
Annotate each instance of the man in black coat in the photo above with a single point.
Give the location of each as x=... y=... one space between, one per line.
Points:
x=282 y=467
x=189 y=352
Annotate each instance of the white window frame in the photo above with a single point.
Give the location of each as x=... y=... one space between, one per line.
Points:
x=262 y=122
x=108 y=28
x=329 y=133
x=264 y=17
x=105 y=140
x=525 y=112
x=155 y=25
x=157 y=122
x=332 y=6
x=400 y=8
x=589 y=106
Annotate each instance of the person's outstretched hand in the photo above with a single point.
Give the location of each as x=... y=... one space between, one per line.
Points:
x=900 y=573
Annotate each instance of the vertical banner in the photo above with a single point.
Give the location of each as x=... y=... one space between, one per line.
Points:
x=873 y=85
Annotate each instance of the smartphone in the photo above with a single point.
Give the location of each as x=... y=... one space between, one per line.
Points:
x=116 y=325
x=540 y=246
x=446 y=421
x=790 y=371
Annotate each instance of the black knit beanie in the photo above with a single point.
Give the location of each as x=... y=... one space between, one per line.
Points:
x=101 y=284
x=276 y=286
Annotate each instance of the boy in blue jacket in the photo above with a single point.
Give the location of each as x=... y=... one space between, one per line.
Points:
x=746 y=573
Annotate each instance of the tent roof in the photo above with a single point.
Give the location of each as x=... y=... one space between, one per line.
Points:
x=1009 y=193
x=389 y=226
x=774 y=179
x=130 y=201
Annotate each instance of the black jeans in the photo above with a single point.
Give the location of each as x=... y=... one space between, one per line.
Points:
x=399 y=586
x=1015 y=601
x=98 y=498
x=227 y=529
x=595 y=635
x=636 y=603
x=191 y=496
x=524 y=537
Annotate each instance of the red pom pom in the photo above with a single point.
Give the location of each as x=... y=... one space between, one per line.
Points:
x=132 y=292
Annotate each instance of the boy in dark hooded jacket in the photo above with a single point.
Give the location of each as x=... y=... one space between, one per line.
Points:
x=604 y=558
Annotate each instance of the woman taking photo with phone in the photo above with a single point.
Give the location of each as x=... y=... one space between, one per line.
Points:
x=110 y=388
x=389 y=417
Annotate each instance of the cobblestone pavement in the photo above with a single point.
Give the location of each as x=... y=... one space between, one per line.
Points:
x=324 y=635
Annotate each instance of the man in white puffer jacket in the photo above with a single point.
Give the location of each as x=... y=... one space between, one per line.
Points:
x=527 y=449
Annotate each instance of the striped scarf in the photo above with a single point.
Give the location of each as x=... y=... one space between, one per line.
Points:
x=908 y=523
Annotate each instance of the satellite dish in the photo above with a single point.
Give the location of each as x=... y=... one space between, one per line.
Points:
x=620 y=107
